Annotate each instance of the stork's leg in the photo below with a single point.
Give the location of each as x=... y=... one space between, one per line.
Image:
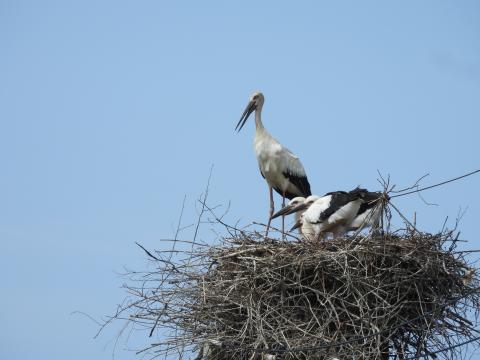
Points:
x=283 y=218
x=272 y=209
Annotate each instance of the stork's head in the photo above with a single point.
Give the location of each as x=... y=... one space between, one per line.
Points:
x=256 y=102
x=302 y=207
x=257 y=98
x=305 y=205
x=296 y=201
x=311 y=199
x=294 y=205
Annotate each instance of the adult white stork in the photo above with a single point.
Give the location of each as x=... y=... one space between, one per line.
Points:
x=331 y=213
x=282 y=170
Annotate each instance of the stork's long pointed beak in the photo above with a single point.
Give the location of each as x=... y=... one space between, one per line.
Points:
x=282 y=211
x=289 y=209
x=297 y=224
x=251 y=107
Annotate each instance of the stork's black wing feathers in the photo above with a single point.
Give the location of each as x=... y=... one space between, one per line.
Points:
x=339 y=199
x=371 y=200
x=300 y=182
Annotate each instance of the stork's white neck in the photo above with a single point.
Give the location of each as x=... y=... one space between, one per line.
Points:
x=258 y=119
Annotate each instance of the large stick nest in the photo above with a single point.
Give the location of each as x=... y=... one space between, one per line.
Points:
x=404 y=295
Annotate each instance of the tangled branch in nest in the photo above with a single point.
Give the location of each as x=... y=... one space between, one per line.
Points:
x=403 y=295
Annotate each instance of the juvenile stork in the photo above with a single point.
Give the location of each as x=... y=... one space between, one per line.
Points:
x=293 y=203
x=331 y=213
x=282 y=170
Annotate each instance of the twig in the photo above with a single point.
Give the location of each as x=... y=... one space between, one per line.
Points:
x=436 y=185
x=148 y=252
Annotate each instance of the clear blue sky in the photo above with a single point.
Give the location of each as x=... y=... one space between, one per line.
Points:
x=112 y=111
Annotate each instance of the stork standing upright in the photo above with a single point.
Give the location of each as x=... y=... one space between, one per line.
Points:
x=282 y=170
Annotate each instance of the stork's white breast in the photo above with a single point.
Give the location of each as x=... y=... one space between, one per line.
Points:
x=270 y=160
